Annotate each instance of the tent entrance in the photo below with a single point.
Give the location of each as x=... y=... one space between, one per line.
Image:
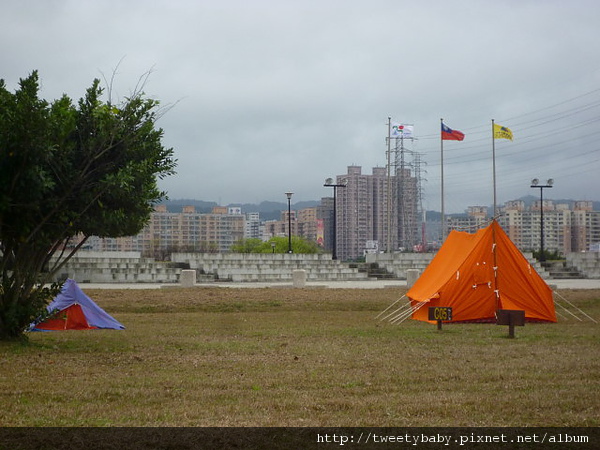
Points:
x=70 y=318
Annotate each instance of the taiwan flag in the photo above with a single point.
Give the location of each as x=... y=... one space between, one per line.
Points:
x=451 y=135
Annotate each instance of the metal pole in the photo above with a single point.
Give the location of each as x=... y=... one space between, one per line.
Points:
x=289 y=225
x=389 y=189
x=542 y=255
x=289 y=197
x=334 y=250
x=442 y=175
x=400 y=201
x=329 y=183
x=494 y=165
x=534 y=184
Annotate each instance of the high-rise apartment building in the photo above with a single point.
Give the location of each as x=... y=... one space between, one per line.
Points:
x=354 y=213
x=325 y=224
x=221 y=229
x=304 y=223
x=253 y=228
x=375 y=212
x=523 y=225
x=585 y=227
x=408 y=209
x=282 y=226
x=308 y=224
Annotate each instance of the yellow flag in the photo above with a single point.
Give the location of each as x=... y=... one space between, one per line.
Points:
x=501 y=132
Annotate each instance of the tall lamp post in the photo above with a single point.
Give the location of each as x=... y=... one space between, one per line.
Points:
x=329 y=183
x=535 y=183
x=289 y=197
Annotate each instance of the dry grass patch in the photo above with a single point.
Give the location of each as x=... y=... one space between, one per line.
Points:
x=290 y=357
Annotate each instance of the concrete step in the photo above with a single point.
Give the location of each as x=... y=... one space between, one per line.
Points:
x=561 y=270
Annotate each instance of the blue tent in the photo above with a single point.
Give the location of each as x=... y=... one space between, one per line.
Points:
x=73 y=310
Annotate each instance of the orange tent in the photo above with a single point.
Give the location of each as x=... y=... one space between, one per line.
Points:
x=477 y=274
x=70 y=318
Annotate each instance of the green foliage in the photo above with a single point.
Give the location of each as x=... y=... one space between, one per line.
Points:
x=67 y=170
x=276 y=244
x=251 y=245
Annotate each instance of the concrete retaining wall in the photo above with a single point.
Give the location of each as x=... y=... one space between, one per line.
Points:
x=266 y=267
x=400 y=263
x=118 y=267
x=130 y=267
x=587 y=263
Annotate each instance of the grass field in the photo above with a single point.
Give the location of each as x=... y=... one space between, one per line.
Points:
x=299 y=357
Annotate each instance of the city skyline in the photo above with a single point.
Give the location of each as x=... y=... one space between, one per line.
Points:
x=179 y=203
x=266 y=97
x=567 y=228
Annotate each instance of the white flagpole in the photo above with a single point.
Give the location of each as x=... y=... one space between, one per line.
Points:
x=494 y=165
x=442 y=176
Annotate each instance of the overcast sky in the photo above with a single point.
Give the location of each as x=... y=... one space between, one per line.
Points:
x=272 y=96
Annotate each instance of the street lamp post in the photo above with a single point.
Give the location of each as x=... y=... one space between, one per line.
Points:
x=289 y=197
x=535 y=183
x=329 y=183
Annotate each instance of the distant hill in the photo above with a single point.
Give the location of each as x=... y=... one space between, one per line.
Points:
x=176 y=206
x=531 y=199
